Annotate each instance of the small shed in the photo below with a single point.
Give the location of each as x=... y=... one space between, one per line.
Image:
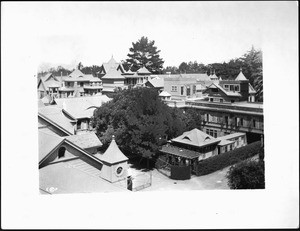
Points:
x=114 y=163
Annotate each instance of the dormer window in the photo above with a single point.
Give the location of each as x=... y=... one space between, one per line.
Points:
x=187 y=138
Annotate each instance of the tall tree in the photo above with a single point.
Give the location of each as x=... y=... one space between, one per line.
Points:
x=139 y=119
x=144 y=53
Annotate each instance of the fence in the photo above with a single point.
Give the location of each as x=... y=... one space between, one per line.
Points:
x=139 y=181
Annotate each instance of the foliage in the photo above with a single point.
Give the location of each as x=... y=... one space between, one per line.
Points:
x=247 y=175
x=144 y=53
x=93 y=70
x=140 y=121
x=226 y=159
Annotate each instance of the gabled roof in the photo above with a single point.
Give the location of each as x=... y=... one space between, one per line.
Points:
x=55 y=116
x=240 y=76
x=76 y=73
x=113 y=154
x=112 y=64
x=113 y=74
x=87 y=140
x=195 y=137
x=228 y=93
x=49 y=80
x=47 y=143
x=143 y=70
x=156 y=82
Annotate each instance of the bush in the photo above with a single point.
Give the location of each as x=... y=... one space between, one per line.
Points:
x=223 y=160
x=247 y=175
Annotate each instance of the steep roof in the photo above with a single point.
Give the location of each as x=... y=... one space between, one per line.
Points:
x=195 y=137
x=76 y=73
x=112 y=64
x=47 y=143
x=113 y=154
x=81 y=107
x=87 y=140
x=143 y=70
x=55 y=116
x=113 y=73
x=240 y=76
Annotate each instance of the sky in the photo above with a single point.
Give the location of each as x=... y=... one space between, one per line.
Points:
x=206 y=32
x=71 y=32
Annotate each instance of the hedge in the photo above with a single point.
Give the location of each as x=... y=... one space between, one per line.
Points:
x=226 y=159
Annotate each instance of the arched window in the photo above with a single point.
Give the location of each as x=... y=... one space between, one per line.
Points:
x=61 y=152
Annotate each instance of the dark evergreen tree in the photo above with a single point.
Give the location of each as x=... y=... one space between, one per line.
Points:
x=144 y=53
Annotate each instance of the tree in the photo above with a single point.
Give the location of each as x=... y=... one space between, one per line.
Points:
x=143 y=53
x=139 y=119
x=247 y=175
x=79 y=66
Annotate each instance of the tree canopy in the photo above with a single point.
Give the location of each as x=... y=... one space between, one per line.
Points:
x=144 y=53
x=140 y=121
x=247 y=175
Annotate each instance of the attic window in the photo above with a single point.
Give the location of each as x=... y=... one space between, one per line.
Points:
x=186 y=137
x=61 y=152
x=207 y=138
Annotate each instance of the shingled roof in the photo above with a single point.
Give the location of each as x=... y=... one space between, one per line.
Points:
x=195 y=137
x=87 y=140
x=113 y=154
x=143 y=70
x=240 y=76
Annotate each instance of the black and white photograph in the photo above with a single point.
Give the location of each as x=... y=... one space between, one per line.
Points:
x=150 y=115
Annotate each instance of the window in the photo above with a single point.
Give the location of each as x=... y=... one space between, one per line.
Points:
x=174 y=88
x=188 y=90
x=81 y=84
x=226 y=119
x=194 y=89
x=78 y=125
x=221 y=100
x=214 y=89
x=215 y=134
x=226 y=86
x=242 y=122
x=182 y=90
x=231 y=87
x=237 y=88
x=211 y=99
x=232 y=101
x=254 y=123
x=61 y=152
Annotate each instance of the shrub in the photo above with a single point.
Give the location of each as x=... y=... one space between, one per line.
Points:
x=247 y=175
x=223 y=160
